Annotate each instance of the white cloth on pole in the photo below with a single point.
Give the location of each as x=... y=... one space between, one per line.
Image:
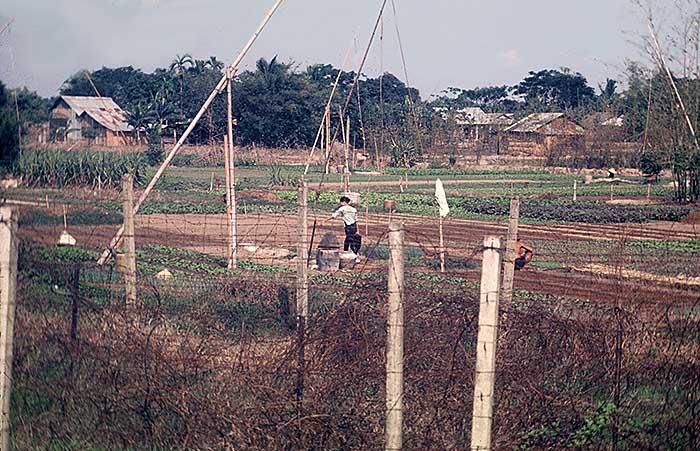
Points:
x=441 y=198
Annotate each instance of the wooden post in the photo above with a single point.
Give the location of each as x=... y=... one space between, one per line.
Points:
x=75 y=298
x=8 y=286
x=394 y=341
x=649 y=191
x=129 y=241
x=369 y=177
x=484 y=378
x=230 y=185
x=509 y=260
x=575 y=194
x=442 y=246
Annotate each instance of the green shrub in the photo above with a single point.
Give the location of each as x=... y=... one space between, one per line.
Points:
x=650 y=163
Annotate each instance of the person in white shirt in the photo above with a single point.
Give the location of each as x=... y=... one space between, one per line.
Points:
x=353 y=240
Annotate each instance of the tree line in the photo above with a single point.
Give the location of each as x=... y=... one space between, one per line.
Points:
x=278 y=104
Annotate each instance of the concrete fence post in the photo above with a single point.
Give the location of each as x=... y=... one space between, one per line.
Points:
x=230 y=184
x=303 y=252
x=129 y=241
x=8 y=287
x=484 y=378
x=302 y=297
x=394 y=340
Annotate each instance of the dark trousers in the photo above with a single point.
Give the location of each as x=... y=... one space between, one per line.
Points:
x=353 y=241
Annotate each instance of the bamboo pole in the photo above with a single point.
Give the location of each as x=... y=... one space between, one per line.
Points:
x=329 y=146
x=356 y=80
x=394 y=341
x=129 y=241
x=231 y=185
x=484 y=378
x=8 y=287
x=346 y=170
x=230 y=72
x=663 y=66
x=321 y=129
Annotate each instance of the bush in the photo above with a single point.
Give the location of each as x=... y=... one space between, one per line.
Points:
x=404 y=154
x=154 y=153
x=59 y=169
x=650 y=163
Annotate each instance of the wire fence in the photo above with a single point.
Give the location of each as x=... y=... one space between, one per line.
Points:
x=589 y=357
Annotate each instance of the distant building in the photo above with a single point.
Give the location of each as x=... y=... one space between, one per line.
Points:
x=477 y=130
x=475 y=119
x=97 y=120
x=542 y=135
x=604 y=128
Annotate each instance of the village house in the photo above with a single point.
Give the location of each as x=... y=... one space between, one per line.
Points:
x=543 y=135
x=97 y=120
x=478 y=123
x=475 y=129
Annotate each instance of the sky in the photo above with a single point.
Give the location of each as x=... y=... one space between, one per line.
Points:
x=447 y=43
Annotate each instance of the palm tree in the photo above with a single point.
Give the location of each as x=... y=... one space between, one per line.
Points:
x=140 y=117
x=199 y=66
x=215 y=64
x=179 y=65
x=271 y=71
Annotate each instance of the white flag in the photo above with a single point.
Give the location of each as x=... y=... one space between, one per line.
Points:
x=441 y=198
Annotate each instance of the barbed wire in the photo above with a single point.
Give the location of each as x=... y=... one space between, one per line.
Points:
x=208 y=359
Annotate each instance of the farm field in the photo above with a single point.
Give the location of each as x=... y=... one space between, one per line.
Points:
x=579 y=240
x=599 y=268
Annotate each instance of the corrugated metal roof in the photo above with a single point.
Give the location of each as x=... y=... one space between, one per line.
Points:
x=533 y=122
x=477 y=116
x=104 y=110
